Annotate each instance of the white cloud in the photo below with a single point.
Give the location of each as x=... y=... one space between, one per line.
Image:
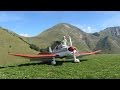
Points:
x=25 y=35
x=87 y=29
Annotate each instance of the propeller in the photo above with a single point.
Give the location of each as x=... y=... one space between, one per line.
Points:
x=73 y=49
x=70 y=41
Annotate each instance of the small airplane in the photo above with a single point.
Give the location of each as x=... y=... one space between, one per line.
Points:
x=60 y=51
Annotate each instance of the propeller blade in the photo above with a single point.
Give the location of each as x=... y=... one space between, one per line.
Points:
x=70 y=41
x=50 y=50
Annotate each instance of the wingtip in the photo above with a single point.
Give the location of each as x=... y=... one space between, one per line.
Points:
x=97 y=51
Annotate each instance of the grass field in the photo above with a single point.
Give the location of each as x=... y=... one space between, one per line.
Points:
x=101 y=66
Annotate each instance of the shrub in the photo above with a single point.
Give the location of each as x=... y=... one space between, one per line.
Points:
x=32 y=46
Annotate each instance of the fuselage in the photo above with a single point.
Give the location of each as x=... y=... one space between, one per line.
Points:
x=63 y=50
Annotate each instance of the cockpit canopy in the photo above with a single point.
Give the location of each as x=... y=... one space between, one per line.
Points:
x=60 y=47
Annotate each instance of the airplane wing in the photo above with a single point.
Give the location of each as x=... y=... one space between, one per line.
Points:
x=40 y=55
x=86 y=53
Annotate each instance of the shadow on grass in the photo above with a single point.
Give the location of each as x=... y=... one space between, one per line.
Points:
x=58 y=63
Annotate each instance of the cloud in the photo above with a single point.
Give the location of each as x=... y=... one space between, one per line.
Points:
x=87 y=29
x=8 y=16
x=25 y=35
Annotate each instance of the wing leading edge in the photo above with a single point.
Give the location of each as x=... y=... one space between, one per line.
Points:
x=86 y=53
x=34 y=56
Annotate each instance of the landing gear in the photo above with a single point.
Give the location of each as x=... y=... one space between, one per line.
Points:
x=75 y=60
x=53 y=62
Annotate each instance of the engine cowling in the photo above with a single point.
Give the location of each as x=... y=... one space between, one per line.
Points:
x=71 y=49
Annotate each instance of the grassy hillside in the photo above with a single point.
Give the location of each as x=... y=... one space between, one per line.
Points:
x=109 y=40
x=9 y=42
x=101 y=66
x=110 y=31
x=109 y=45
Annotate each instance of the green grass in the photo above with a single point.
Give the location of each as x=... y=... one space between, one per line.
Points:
x=102 y=66
x=11 y=43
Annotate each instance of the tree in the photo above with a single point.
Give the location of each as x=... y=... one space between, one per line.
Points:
x=55 y=44
x=32 y=46
x=9 y=46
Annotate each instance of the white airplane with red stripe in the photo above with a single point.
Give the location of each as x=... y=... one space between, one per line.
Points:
x=62 y=50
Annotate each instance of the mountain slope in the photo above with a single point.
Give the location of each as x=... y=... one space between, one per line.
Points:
x=109 y=40
x=110 y=31
x=10 y=42
x=108 y=45
x=57 y=32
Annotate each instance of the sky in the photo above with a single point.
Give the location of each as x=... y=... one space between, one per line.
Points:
x=32 y=23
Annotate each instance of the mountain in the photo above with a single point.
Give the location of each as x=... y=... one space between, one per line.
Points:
x=11 y=42
x=111 y=31
x=56 y=33
x=109 y=40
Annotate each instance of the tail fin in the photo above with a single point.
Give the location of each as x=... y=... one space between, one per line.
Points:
x=50 y=50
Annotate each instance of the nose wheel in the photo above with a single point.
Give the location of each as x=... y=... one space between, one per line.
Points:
x=76 y=61
x=53 y=62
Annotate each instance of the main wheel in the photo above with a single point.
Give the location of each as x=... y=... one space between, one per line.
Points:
x=77 y=61
x=53 y=62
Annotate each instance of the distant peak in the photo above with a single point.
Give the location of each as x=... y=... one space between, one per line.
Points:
x=67 y=26
x=113 y=31
x=63 y=23
x=115 y=27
